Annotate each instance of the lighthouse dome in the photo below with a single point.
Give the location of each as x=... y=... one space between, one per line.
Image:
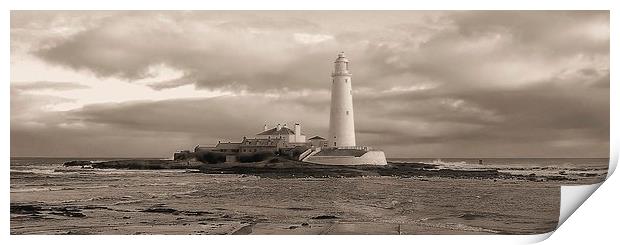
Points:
x=341 y=58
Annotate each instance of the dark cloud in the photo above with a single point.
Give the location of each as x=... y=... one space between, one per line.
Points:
x=227 y=117
x=273 y=50
x=542 y=31
x=532 y=121
x=213 y=53
x=182 y=123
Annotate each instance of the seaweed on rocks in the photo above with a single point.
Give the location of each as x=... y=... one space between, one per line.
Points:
x=325 y=217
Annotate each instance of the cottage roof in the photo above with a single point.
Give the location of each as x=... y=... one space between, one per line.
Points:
x=275 y=131
x=260 y=142
x=317 y=138
x=228 y=145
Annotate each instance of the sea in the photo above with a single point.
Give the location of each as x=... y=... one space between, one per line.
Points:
x=581 y=168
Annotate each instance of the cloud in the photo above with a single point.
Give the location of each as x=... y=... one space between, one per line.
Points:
x=274 y=51
x=532 y=121
x=183 y=123
x=43 y=85
x=212 y=53
x=426 y=83
x=306 y=38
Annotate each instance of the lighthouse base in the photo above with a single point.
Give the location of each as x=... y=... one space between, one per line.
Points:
x=347 y=156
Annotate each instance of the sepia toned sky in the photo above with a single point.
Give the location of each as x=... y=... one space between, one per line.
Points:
x=425 y=83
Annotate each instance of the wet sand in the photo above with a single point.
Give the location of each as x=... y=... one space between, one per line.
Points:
x=111 y=201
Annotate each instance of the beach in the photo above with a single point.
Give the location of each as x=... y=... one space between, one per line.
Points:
x=52 y=199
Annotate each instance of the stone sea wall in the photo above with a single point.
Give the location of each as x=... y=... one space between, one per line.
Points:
x=369 y=158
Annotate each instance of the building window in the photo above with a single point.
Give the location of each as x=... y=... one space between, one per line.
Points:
x=334 y=143
x=347 y=113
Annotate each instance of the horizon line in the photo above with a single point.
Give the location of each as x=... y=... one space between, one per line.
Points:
x=108 y=157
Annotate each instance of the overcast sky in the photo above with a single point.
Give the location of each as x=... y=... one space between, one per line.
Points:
x=425 y=84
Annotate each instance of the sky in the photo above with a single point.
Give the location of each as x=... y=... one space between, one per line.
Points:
x=425 y=83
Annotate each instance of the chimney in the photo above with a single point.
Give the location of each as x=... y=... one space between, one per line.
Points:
x=265 y=127
x=279 y=127
x=297 y=130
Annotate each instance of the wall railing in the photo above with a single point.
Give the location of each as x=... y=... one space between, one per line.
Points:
x=363 y=148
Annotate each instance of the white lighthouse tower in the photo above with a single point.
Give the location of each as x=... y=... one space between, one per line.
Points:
x=341 y=122
x=342 y=149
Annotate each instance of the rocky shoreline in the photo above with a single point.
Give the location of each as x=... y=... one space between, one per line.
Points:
x=143 y=164
x=284 y=168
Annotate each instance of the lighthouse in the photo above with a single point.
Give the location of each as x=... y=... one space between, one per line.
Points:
x=341 y=148
x=341 y=120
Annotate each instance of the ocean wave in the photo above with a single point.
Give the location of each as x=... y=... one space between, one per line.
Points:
x=460 y=165
x=520 y=169
x=38 y=171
